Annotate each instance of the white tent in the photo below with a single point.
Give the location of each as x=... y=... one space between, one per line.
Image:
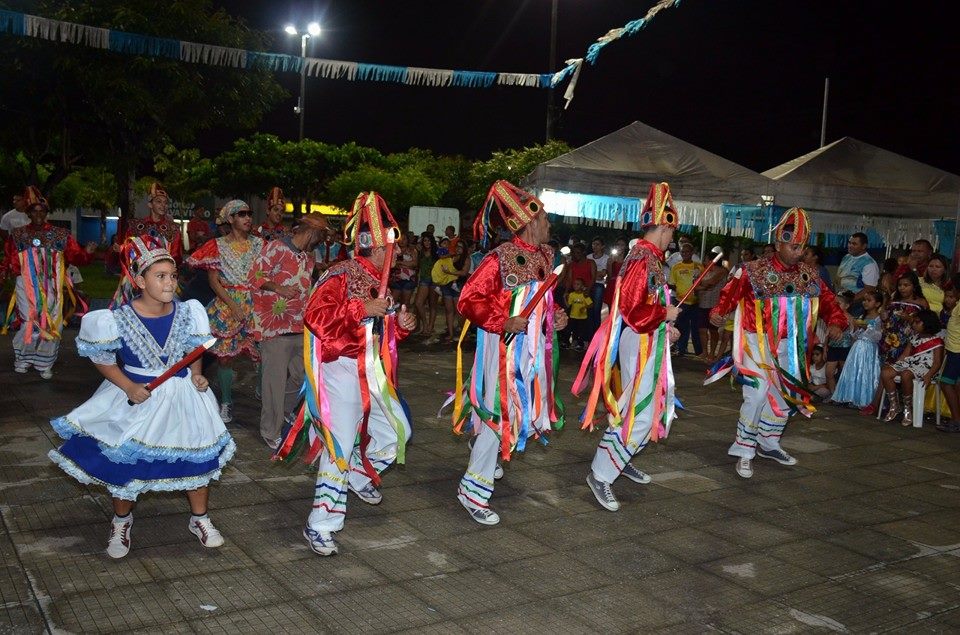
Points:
x=607 y=179
x=850 y=185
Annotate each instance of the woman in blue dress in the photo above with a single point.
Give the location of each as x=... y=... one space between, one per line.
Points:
x=861 y=374
x=170 y=439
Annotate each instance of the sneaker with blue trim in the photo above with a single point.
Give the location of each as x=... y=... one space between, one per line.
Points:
x=321 y=542
x=368 y=494
x=777 y=455
x=498 y=472
x=635 y=475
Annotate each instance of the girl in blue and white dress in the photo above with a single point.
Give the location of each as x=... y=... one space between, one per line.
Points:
x=172 y=438
x=861 y=373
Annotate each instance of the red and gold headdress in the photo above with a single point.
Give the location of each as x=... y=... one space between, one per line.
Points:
x=515 y=208
x=139 y=252
x=275 y=197
x=369 y=222
x=793 y=228
x=659 y=209
x=156 y=191
x=32 y=196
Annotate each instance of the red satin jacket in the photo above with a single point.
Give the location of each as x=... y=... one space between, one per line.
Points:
x=485 y=298
x=335 y=309
x=165 y=228
x=50 y=237
x=641 y=273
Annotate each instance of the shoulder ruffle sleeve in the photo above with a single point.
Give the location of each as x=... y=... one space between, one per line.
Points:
x=206 y=257
x=99 y=338
x=199 y=324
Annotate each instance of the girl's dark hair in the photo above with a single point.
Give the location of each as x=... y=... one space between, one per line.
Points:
x=432 y=241
x=818 y=252
x=876 y=294
x=945 y=280
x=817 y=349
x=931 y=322
x=914 y=280
x=890 y=265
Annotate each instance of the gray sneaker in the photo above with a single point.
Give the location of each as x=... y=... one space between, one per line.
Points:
x=744 y=468
x=368 y=494
x=321 y=542
x=603 y=492
x=482 y=515
x=635 y=475
x=777 y=455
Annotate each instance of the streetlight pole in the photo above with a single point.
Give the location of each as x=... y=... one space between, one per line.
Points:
x=312 y=30
x=551 y=107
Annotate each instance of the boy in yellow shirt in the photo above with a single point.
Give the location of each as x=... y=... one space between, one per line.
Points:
x=681 y=279
x=578 y=305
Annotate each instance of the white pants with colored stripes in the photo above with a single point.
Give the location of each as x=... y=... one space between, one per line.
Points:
x=38 y=352
x=613 y=453
x=343 y=389
x=476 y=486
x=758 y=424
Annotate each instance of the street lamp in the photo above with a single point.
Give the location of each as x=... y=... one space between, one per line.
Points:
x=312 y=30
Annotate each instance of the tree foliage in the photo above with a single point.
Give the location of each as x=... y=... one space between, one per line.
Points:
x=512 y=165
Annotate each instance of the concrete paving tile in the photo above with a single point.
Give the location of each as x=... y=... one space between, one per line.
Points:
x=686 y=482
x=318 y=575
x=899 y=586
x=923 y=533
x=856 y=511
x=518 y=510
x=922 y=446
x=551 y=575
x=438 y=628
x=230 y=590
x=288 y=617
x=948 y=518
x=376 y=531
x=808 y=519
x=694 y=545
x=750 y=532
x=500 y=544
x=283 y=545
x=421 y=496
x=822 y=558
x=114 y=609
x=740 y=500
x=567 y=502
x=457 y=595
x=20 y=609
x=261 y=517
x=876 y=545
x=62 y=542
x=41 y=490
x=818 y=487
x=646 y=515
x=413 y=560
x=687 y=627
x=943 y=568
x=381 y=609
x=565 y=533
x=898 y=504
x=626 y=560
x=843 y=609
x=943 y=492
x=527 y=480
x=525 y=619
x=939 y=464
x=80 y=510
x=169 y=562
x=62 y=573
x=765 y=575
x=690 y=510
x=442 y=521
x=696 y=594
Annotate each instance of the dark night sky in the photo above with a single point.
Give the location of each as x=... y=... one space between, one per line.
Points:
x=741 y=78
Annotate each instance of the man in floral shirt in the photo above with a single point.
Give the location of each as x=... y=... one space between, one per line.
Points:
x=283 y=272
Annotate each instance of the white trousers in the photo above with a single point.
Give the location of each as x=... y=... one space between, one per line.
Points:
x=38 y=352
x=758 y=424
x=343 y=390
x=613 y=453
x=477 y=482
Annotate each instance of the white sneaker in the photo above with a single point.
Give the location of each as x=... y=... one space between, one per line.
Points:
x=483 y=515
x=203 y=529
x=368 y=494
x=47 y=374
x=744 y=468
x=118 y=544
x=498 y=472
x=603 y=493
x=20 y=369
x=321 y=542
x=226 y=412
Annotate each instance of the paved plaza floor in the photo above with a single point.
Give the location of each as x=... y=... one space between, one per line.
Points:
x=863 y=535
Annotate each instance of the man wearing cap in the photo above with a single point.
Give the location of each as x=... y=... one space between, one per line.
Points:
x=351 y=392
x=157 y=225
x=273 y=228
x=777 y=302
x=283 y=272
x=510 y=394
x=637 y=333
x=229 y=261
x=37 y=255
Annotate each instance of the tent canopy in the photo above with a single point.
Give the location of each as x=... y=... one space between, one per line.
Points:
x=850 y=176
x=625 y=162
